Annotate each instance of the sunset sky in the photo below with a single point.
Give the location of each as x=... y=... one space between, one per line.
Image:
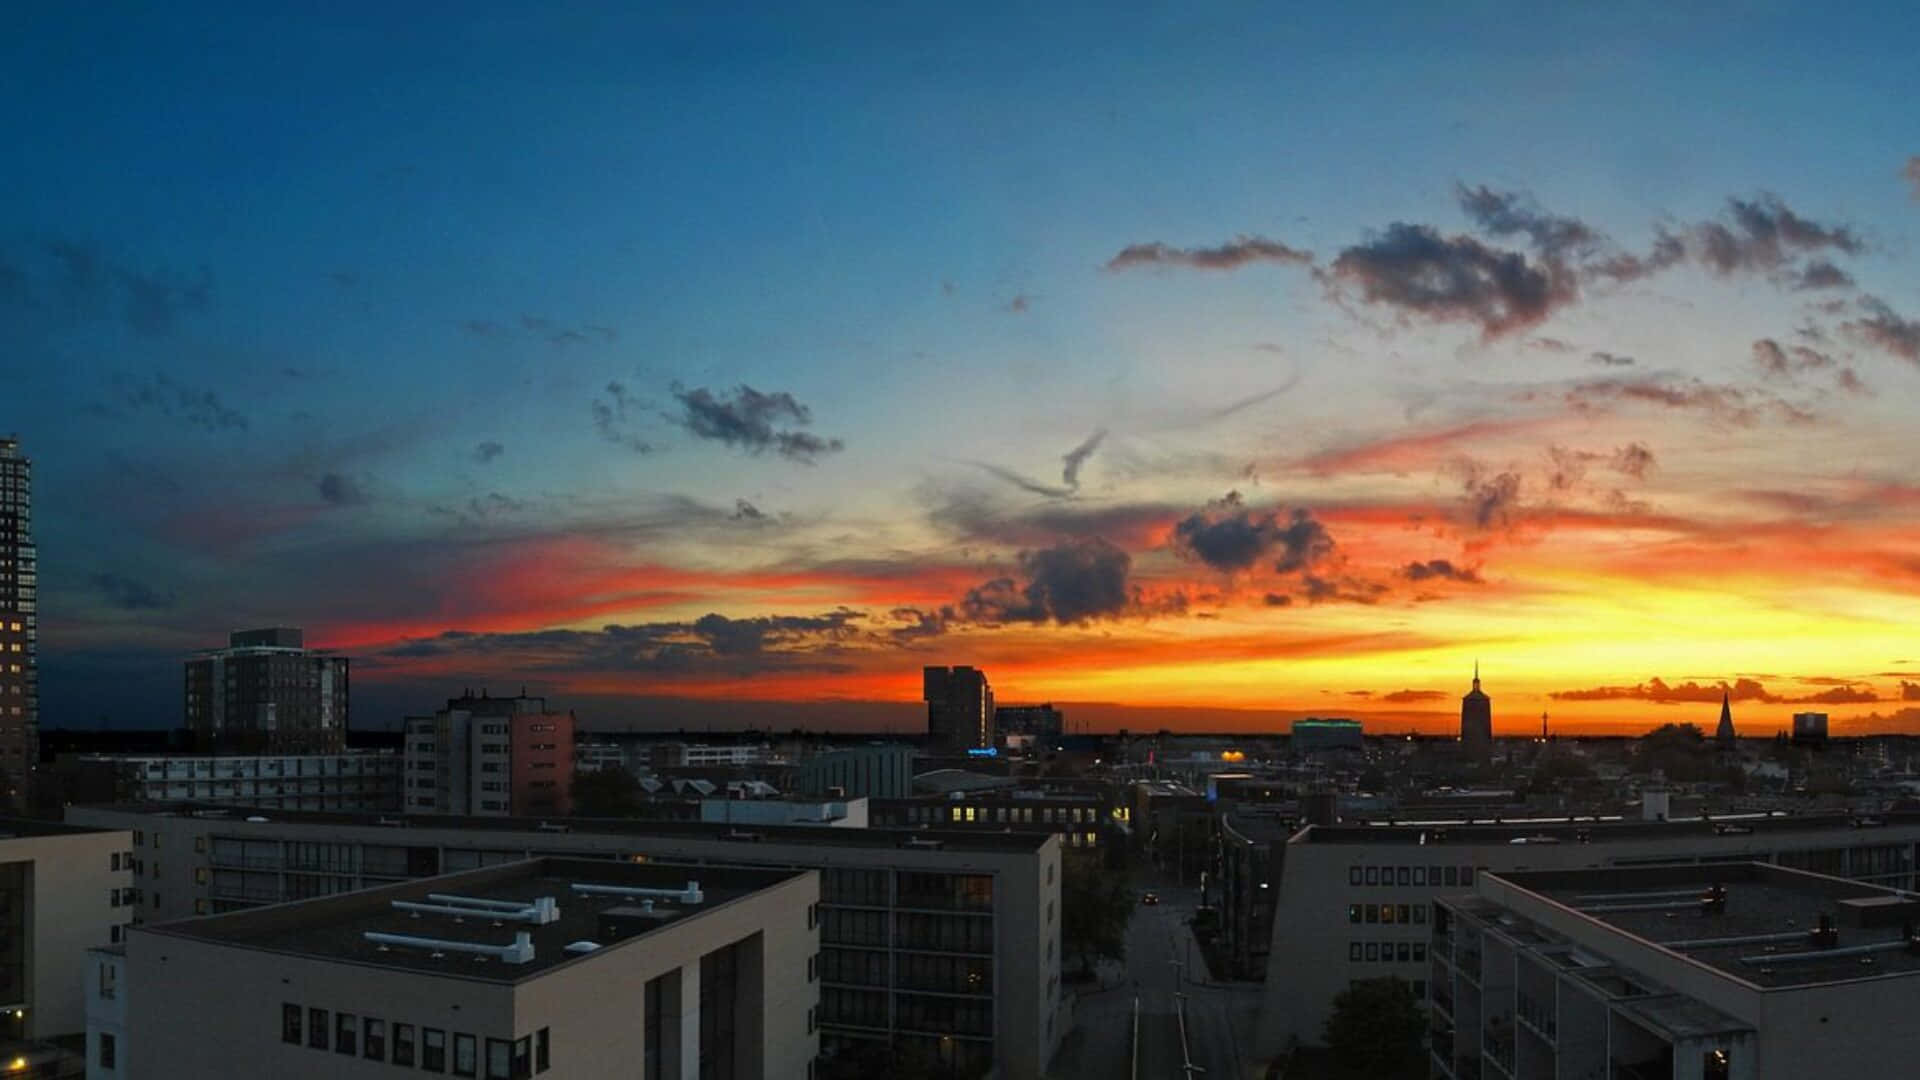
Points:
x=1182 y=355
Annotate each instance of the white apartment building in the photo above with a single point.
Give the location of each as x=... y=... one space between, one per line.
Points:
x=1714 y=971
x=359 y=780
x=1354 y=899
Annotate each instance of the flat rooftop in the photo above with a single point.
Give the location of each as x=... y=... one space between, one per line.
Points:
x=978 y=840
x=1604 y=830
x=1766 y=932
x=22 y=828
x=334 y=928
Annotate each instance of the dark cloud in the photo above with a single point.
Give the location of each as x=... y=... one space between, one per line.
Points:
x=1764 y=232
x=1886 y=329
x=1277 y=600
x=340 y=490
x=746 y=511
x=1912 y=173
x=1409 y=697
x=1909 y=691
x=1786 y=361
x=1076 y=457
x=544 y=329
x=1490 y=500
x=129 y=594
x=1728 y=404
x=1440 y=569
x=752 y=421
x=616 y=416
x=1821 y=274
x=1229 y=536
x=1350 y=590
x=710 y=645
x=1509 y=213
x=487 y=451
x=1024 y=483
x=1661 y=692
x=1020 y=304
x=1607 y=359
x=1622 y=267
x=1229 y=256
x=1075 y=582
x=569 y=337
x=346 y=279
x=1552 y=344
x=192 y=406
x=151 y=301
x=1633 y=459
x=1418 y=272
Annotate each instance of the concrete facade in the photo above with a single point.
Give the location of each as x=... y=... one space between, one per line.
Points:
x=267 y=692
x=1702 y=972
x=295 y=991
x=947 y=938
x=1354 y=899
x=364 y=780
x=62 y=891
x=489 y=756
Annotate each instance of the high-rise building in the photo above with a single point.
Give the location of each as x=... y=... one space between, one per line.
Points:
x=266 y=692
x=489 y=756
x=959 y=707
x=1810 y=729
x=1724 y=735
x=1039 y=721
x=19 y=634
x=1476 y=721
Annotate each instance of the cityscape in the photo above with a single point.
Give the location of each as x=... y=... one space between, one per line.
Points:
x=992 y=543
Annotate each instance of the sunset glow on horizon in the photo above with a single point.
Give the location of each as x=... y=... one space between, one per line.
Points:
x=1210 y=362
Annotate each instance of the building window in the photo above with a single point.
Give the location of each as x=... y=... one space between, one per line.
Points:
x=1353 y=913
x=1373 y=950
x=317 y=1028
x=1373 y=875
x=1403 y=952
x=345 y=1027
x=1386 y=914
x=1453 y=876
x=1419 y=952
x=1406 y=914
x=466 y=1055
x=433 y=1050
x=1373 y=913
x=1419 y=875
x=375 y=1038
x=290 y=1024
x=541 y=1061
x=522 y=1057
x=1402 y=875
x=1353 y=952
x=1466 y=875
x=1353 y=875
x=109 y=1053
x=403 y=1044
x=499 y=1059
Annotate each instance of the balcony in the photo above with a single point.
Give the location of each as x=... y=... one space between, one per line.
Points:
x=1536 y=1016
x=1469 y=964
x=1497 y=1045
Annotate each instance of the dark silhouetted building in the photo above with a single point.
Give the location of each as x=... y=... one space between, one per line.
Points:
x=1724 y=734
x=266 y=692
x=1810 y=729
x=1040 y=721
x=1476 y=721
x=1314 y=734
x=491 y=757
x=19 y=629
x=959 y=707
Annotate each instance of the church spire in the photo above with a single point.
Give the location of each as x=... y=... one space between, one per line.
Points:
x=1724 y=736
x=1476 y=673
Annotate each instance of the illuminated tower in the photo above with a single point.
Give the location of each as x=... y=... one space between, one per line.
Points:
x=19 y=636
x=1476 y=721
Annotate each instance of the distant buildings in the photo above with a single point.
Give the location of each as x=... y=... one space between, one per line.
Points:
x=1313 y=735
x=959 y=707
x=1038 y=721
x=553 y=967
x=1810 y=729
x=1476 y=721
x=488 y=756
x=266 y=692
x=358 y=780
x=19 y=628
x=883 y=770
x=1736 y=971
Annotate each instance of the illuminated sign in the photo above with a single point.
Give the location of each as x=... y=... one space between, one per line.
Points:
x=983 y=751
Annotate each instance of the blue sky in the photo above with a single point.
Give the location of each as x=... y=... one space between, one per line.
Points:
x=382 y=236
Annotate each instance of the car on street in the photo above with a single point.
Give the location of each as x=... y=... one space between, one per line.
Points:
x=1150 y=898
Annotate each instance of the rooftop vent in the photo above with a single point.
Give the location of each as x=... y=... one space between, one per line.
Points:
x=519 y=951
x=691 y=894
x=581 y=948
x=924 y=843
x=744 y=836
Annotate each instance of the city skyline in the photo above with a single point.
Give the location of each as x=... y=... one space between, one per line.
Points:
x=1253 y=367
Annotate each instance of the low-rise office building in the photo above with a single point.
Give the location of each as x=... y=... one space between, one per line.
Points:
x=1729 y=971
x=562 y=967
x=1354 y=899
x=63 y=890
x=941 y=938
x=490 y=756
x=359 y=780
x=883 y=770
x=1083 y=819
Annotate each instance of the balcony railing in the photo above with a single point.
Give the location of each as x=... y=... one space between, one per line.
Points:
x=1536 y=1015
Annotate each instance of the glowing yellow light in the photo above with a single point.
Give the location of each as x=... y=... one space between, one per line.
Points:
x=1233 y=755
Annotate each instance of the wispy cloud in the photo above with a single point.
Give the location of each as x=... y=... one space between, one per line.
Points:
x=130 y=594
x=1886 y=329
x=162 y=395
x=753 y=421
x=1229 y=256
x=616 y=416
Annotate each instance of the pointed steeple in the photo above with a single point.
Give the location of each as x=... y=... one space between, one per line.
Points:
x=1724 y=735
x=1476 y=673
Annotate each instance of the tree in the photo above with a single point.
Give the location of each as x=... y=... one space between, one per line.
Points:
x=1681 y=751
x=606 y=793
x=1375 y=1031
x=1095 y=906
